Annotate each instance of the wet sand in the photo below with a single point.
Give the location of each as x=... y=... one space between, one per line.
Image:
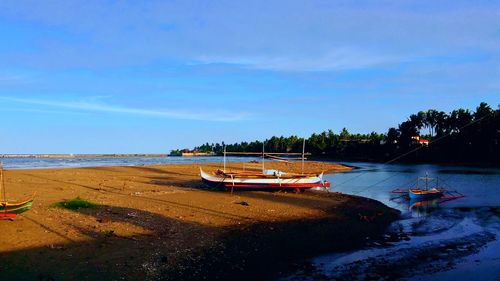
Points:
x=157 y=222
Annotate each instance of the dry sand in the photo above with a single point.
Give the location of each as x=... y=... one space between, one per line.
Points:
x=157 y=222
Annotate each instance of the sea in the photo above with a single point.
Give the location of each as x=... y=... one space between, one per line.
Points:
x=16 y=163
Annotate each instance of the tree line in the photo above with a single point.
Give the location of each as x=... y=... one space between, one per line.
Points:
x=460 y=136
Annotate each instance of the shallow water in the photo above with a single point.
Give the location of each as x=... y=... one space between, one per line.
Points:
x=451 y=240
x=44 y=163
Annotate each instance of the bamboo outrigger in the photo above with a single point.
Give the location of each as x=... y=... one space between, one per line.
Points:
x=12 y=209
x=424 y=195
x=267 y=179
x=275 y=180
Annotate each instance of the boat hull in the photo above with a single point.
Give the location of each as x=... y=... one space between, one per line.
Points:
x=276 y=183
x=11 y=210
x=418 y=194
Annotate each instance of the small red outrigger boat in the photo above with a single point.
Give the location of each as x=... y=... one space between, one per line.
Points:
x=12 y=209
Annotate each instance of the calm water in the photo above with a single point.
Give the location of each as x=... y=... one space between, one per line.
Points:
x=452 y=240
x=43 y=163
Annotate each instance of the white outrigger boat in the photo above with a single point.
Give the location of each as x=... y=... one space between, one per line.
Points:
x=264 y=180
x=268 y=180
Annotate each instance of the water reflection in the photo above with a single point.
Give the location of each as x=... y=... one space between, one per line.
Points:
x=423 y=207
x=440 y=239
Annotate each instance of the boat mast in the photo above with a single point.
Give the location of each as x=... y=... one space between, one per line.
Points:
x=263 y=168
x=224 y=158
x=2 y=187
x=303 y=153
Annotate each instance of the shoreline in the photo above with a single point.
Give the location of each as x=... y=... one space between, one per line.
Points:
x=347 y=163
x=85 y=156
x=154 y=222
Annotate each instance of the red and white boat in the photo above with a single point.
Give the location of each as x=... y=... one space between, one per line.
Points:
x=267 y=180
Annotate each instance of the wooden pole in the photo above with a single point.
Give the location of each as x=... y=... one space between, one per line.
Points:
x=232 y=186
x=267 y=153
x=1 y=179
x=263 y=168
x=2 y=183
x=224 y=158
x=4 y=202
x=303 y=152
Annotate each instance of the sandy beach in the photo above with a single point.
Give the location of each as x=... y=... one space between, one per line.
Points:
x=158 y=223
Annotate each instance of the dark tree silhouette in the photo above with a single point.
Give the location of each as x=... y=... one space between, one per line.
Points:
x=461 y=136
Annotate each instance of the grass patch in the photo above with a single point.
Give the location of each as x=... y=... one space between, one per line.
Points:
x=74 y=204
x=108 y=233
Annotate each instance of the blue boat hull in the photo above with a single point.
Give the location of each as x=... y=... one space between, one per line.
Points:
x=424 y=196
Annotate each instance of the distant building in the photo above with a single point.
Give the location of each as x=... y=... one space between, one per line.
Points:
x=423 y=142
x=419 y=140
x=197 y=153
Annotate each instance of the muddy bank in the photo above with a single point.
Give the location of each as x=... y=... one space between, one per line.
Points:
x=155 y=222
x=263 y=251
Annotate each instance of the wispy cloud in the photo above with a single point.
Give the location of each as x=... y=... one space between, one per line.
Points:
x=41 y=111
x=9 y=78
x=338 y=59
x=101 y=107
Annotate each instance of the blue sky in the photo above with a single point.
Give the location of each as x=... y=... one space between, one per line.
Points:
x=150 y=76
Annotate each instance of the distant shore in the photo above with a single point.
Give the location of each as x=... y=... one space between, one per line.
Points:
x=156 y=222
x=79 y=155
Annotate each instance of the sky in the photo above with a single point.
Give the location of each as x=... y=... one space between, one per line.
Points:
x=151 y=76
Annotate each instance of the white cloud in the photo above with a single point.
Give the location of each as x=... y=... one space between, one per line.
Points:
x=101 y=107
x=339 y=59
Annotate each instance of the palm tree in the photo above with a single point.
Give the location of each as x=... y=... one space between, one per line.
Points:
x=482 y=110
x=458 y=119
x=430 y=120
x=417 y=119
x=441 y=119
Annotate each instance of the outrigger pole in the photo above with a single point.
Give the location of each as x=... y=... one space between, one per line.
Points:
x=2 y=183
x=224 y=158
x=263 y=155
x=267 y=153
x=4 y=201
x=303 y=152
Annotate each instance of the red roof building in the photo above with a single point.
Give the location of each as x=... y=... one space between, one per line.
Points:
x=423 y=142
